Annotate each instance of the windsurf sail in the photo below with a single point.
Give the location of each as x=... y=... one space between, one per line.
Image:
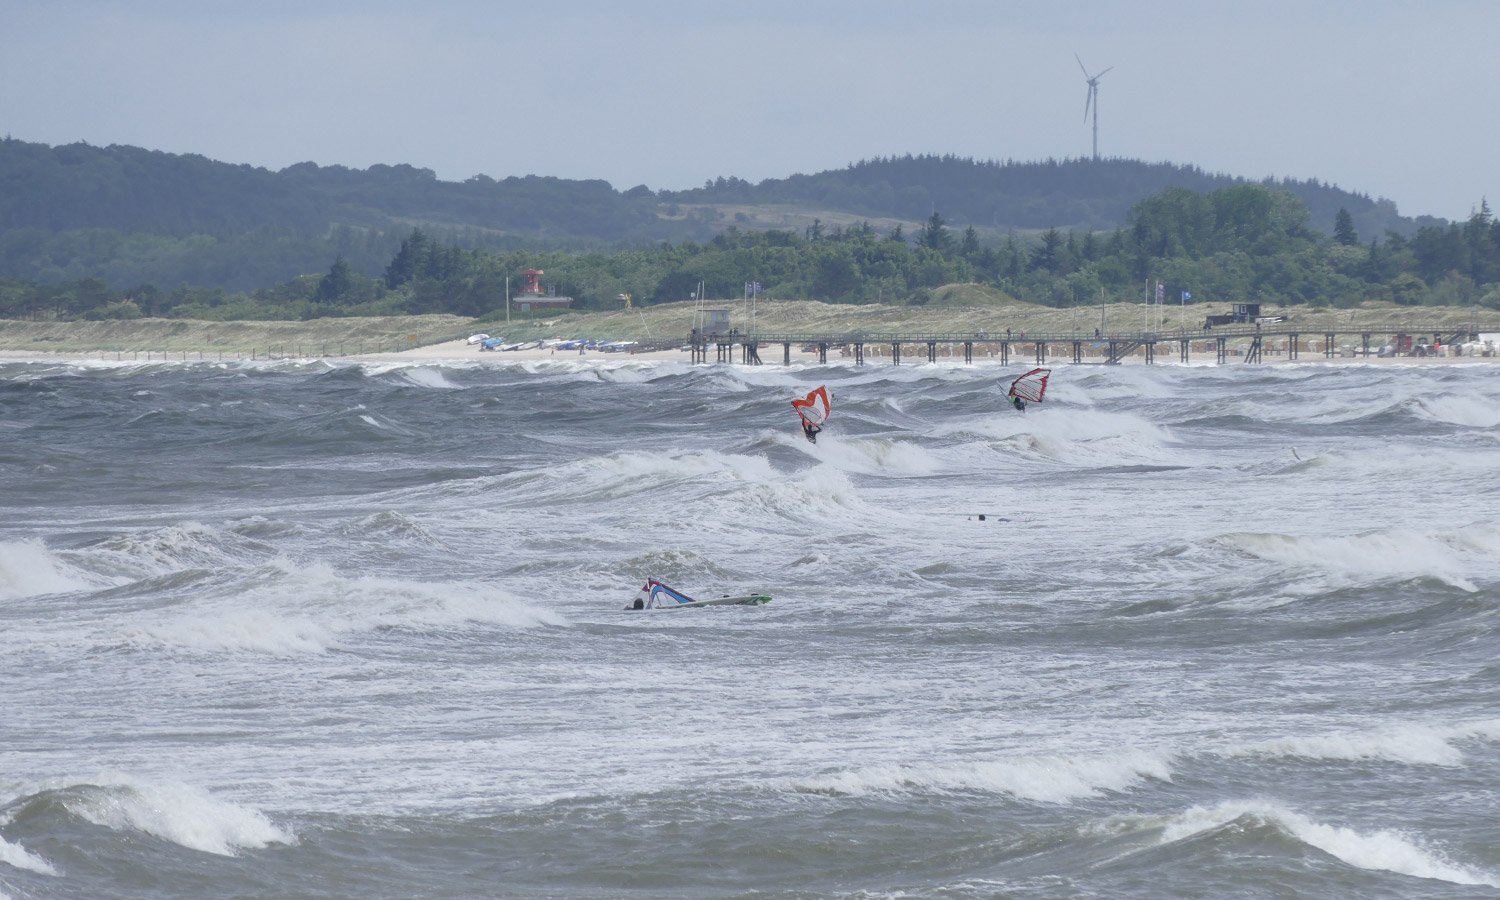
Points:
x=1031 y=387
x=816 y=408
x=659 y=596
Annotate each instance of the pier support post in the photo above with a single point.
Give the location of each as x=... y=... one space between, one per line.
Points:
x=1041 y=352
x=896 y=353
x=822 y=352
x=1366 y=339
x=859 y=353
x=1185 y=346
x=1223 y=350
x=1253 y=353
x=786 y=353
x=968 y=352
x=932 y=351
x=1078 y=351
x=1329 y=341
x=1291 y=347
x=1005 y=353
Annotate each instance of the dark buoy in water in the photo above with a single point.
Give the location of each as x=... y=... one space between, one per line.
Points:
x=981 y=517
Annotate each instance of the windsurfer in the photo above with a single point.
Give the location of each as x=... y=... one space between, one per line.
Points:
x=813 y=412
x=1029 y=388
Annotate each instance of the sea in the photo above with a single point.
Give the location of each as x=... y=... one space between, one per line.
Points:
x=332 y=629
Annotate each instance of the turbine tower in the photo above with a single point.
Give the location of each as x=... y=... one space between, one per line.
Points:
x=1092 y=100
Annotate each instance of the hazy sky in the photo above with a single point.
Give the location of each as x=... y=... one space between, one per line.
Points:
x=1391 y=99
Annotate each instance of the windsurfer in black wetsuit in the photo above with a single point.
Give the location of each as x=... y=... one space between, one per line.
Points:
x=811 y=431
x=1018 y=403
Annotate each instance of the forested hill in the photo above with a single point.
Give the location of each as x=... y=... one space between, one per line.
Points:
x=1076 y=194
x=136 y=190
x=127 y=215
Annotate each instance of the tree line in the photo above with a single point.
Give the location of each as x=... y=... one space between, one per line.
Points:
x=1241 y=243
x=132 y=216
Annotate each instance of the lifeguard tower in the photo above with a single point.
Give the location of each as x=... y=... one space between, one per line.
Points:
x=533 y=296
x=533 y=283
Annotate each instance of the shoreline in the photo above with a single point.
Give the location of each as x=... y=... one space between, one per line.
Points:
x=461 y=352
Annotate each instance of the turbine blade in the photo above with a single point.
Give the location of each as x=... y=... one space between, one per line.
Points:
x=1080 y=65
x=1086 y=103
x=1101 y=74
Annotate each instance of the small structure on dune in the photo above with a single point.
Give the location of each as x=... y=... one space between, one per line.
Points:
x=533 y=296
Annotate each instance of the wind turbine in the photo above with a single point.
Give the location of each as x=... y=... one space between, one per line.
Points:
x=1092 y=101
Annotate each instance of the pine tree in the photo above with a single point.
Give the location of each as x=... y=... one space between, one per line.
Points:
x=935 y=234
x=336 y=283
x=1343 y=228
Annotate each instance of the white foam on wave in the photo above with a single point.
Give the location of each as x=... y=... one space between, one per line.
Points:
x=158 y=551
x=627 y=472
x=172 y=811
x=311 y=609
x=29 y=569
x=1412 y=744
x=1080 y=438
x=267 y=631
x=1042 y=779
x=1128 y=383
x=820 y=493
x=427 y=377
x=1405 y=745
x=18 y=857
x=1313 y=408
x=1395 y=552
x=1459 y=409
x=874 y=456
x=1389 y=461
x=1382 y=850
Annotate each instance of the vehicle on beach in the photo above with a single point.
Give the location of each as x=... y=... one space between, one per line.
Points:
x=477 y=339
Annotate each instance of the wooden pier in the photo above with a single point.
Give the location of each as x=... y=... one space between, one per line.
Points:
x=1248 y=343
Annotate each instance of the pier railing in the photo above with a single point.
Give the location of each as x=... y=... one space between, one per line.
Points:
x=1250 y=341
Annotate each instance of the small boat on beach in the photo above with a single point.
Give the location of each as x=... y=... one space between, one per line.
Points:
x=659 y=596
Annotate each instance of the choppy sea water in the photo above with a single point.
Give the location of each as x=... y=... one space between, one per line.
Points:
x=285 y=630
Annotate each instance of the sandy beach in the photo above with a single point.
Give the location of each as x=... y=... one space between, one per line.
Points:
x=462 y=353
x=911 y=355
x=429 y=338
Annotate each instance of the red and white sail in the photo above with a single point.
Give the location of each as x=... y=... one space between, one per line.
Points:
x=1031 y=387
x=815 y=409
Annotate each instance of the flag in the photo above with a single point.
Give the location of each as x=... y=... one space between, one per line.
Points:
x=752 y=288
x=1161 y=292
x=1187 y=295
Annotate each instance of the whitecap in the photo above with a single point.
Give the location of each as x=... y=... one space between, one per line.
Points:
x=1381 y=850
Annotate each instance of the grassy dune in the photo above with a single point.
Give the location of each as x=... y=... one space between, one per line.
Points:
x=959 y=309
x=312 y=338
x=955 y=309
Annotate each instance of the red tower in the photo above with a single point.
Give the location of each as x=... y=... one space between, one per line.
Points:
x=533 y=284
